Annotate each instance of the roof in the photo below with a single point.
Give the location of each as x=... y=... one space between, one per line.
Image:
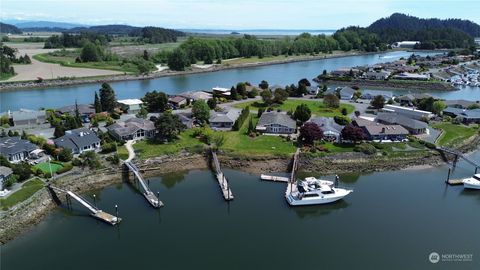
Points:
x=224 y=117
x=408 y=75
x=347 y=91
x=82 y=109
x=363 y=122
x=133 y=101
x=269 y=118
x=221 y=89
x=14 y=145
x=197 y=95
x=131 y=126
x=377 y=93
x=176 y=99
x=379 y=129
x=77 y=138
x=469 y=114
x=5 y=171
x=393 y=118
x=395 y=108
x=24 y=114
x=460 y=103
x=327 y=124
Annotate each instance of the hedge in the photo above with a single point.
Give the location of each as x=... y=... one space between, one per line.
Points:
x=241 y=119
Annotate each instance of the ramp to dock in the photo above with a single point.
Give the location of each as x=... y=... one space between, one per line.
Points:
x=459 y=154
x=147 y=193
x=222 y=180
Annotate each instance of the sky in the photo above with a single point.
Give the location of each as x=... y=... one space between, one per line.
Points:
x=234 y=14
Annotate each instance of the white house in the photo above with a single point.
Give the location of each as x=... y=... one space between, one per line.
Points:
x=408 y=112
x=131 y=106
x=276 y=123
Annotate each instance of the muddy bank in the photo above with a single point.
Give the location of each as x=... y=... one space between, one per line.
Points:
x=395 y=85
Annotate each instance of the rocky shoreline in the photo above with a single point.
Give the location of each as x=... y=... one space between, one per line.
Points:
x=30 y=212
x=395 y=85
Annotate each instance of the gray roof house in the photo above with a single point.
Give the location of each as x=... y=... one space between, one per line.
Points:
x=370 y=94
x=132 y=129
x=377 y=75
x=468 y=116
x=15 y=149
x=276 y=123
x=225 y=119
x=79 y=140
x=381 y=132
x=346 y=93
x=83 y=109
x=25 y=117
x=412 y=125
x=331 y=130
x=5 y=173
x=460 y=103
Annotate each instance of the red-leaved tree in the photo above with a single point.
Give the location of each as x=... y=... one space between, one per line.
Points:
x=310 y=132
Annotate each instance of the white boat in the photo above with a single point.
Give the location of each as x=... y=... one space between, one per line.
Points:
x=312 y=192
x=472 y=182
x=312 y=180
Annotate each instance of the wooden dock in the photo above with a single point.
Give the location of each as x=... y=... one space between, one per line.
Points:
x=147 y=193
x=455 y=182
x=274 y=178
x=221 y=179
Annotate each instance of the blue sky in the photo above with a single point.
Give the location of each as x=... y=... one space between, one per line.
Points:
x=234 y=14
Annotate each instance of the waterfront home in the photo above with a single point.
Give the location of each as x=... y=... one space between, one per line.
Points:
x=381 y=132
x=131 y=106
x=313 y=90
x=413 y=126
x=276 y=123
x=198 y=95
x=132 y=129
x=220 y=91
x=177 y=101
x=346 y=93
x=408 y=112
x=371 y=94
x=15 y=149
x=223 y=119
x=186 y=119
x=85 y=111
x=467 y=116
x=460 y=103
x=362 y=122
x=342 y=72
x=377 y=75
x=412 y=76
x=405 y=44
x=79 y=140
x=409 y=98
x=26 y=118
x=331 y=130
x=5 y=173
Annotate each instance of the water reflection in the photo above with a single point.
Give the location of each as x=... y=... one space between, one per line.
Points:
x=171 y=179
x=312 y=211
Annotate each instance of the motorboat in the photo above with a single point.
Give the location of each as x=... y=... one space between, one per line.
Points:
x=313 y=180
x=314 y=191
x=472 y=182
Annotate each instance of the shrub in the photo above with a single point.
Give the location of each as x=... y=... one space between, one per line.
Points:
x=109 y=147
x=241 y=119
x=76 y=162
x=66 y=167
x=342 y=120
x=365 y=148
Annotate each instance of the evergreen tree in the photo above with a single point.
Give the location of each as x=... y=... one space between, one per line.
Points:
x=97 y=104
x=107 y=97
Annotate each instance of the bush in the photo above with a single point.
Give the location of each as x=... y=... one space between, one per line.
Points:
x=109 y=147
x=115 y=159
x=241 y=119
x=76 y=162
x=342 y=120
x=365 y=148
x=66 y=167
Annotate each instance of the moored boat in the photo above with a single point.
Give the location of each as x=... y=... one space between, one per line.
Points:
x=472 y=182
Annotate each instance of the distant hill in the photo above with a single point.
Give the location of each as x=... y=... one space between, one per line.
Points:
x=45 y=24
x=113 y=29
x=9 y=29
x=401 y=22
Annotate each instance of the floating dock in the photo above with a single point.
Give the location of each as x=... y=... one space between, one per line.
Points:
x=274 y=178
x=147 y=193
x=221 y=179
x=455 y=182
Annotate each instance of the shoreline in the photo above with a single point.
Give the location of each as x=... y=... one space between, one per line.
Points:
x=29 y=85
x=396 y=85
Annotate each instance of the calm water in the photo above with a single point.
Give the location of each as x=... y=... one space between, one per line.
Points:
x=393 y=220
x=276 y=74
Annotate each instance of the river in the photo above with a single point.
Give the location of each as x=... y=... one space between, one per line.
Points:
x=392 y=220
x=281 y=74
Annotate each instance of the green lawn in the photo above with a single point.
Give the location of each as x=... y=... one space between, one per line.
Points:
x=26 y=191
x=454 y=134
x=45 y=167
x=69 y=61
x=317 y=107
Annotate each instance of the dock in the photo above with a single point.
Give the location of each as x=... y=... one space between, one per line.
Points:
x=94 y=211
x=147 y=193
x=221 y=179
x=274 y=178
x=455 y=182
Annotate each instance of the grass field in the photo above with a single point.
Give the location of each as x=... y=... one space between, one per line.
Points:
x=256 y=59
x=454 y=134
x=69 y=61
x=26 y=191
x=45 y=167
x=318 y=108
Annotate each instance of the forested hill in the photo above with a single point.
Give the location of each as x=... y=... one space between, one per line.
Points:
x=404 y=22
x=148 y=34
x=113 y=29
x=8 y=28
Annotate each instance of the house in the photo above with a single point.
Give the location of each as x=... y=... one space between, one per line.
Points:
x=341 y=72
x=413 y=126
x=131 y=106
x=15 y=149
x=412 y=76
x=25 y=117
x=409 y=98
x=186 y=119
x=405 y=44
x=468 y=116
x=177 y=101
x=346 y=93
x=132 y=129
x=220 y=91
x=276 y=123
x=370 y=94
x=377 y=75
x=79 y=140
x=224 y=119
x=381 y=132
x=408 y=112
x=199 y=95
x=85 y=111
x=313 y=90
x=361 y=122
x=331 y=130
x=460 y=103
x=5 y=173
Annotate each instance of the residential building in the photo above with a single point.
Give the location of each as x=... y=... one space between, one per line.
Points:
x=79 y=140
x=341 y=72
x=224 y=119
x=177 y=101
x=346 y=93
x=85 y=111
x=412 y=76
x=5 y=173
x=370 y=94
x=331 y=130
x=408 y=112
x=15 y=149
x=131 y=106
x=460 y=103
x=186 y=119
x=467 y=116
x=313 y=90
x=132 y=129
x=198 y=95
x=221 y=91
x=381 y=132
x=413 y=126
x=377 y=75
x=361 y=122
x=405 y=44
x=276 y=123
x=409 y=98
x=25 y=117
